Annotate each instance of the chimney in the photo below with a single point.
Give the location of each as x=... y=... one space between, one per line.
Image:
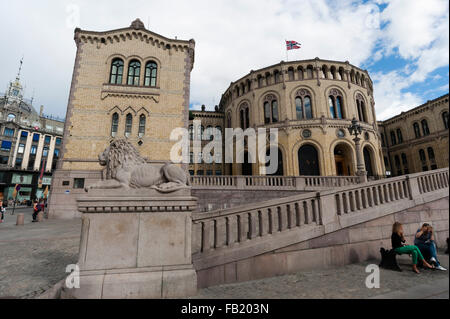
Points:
x=41 y=112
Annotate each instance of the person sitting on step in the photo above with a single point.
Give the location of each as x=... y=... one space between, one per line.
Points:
x=425 y=241
x=398 y=240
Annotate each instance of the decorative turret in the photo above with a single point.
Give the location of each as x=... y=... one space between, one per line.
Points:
x=137 y=25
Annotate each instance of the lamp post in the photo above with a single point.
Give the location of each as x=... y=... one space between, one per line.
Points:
x=356 y=129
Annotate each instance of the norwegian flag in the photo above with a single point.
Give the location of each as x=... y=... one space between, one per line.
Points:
x=291 y=45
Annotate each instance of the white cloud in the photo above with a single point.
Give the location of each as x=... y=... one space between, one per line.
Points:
x=232 y=38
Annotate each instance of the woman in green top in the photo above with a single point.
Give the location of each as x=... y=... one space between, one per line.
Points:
x=398 y=240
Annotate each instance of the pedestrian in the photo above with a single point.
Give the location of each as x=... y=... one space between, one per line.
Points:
x=36 y=210
x=2 y=212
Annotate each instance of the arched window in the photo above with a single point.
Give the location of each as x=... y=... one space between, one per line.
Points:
x=422 y=156
x=383 y=144
x=445 y=119
x=209 y=134
x=333 y=72
x=303 y=105
x=399 y=136
x=341 y=74
x=134 y=72
x=291 y=74
x=300 y=73
x=244 y=116
x=405 y=164
x=416 y=129
x=249 y=85
x=116 y=71
x=309 y=72
x=229 y=120
x=335 y=102
x=277 y=76
x=260 y=81
x=268 y=80
x=114 y=124
x=425 y=128
x=151 y=71
x=270 y=109
x=361 y=106
x=142 y=120
x=393 y=139
x=11 y=117
x=128 y=124
x=430 y=152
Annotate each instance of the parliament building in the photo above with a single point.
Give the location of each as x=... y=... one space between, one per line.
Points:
x=134 y=83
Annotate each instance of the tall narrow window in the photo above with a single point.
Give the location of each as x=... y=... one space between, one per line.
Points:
x=114 y=124
x=142 y=125
x=399 y=136
x=274 y=111
x=445 y=119
x=116 y=71
x=416 y=129
x=405 y=164
x=361 y=106
x=422 y=157
x=242 y=116
x=151 y=70
x=393 y=139
x=383 y=144
x=266 y=112
x=339 y=107
x=128 y=124
x=425 y=128
x=303 y=105
x=332 y=107
x=270 y=109
x=336 y=105
x=134 y=72
x=430 y=154
x=299 y=108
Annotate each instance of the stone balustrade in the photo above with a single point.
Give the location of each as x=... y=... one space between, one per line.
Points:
x=228 y=235
x=267 y=182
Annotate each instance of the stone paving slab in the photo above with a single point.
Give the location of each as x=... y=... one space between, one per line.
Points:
x=33 y=258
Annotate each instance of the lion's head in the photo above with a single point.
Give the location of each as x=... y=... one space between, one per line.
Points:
x=118 y=154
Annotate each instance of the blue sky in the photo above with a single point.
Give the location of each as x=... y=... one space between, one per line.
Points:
x=403 y=44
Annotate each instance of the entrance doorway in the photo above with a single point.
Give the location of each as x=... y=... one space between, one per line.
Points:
x=343 y=160
x=275 y=150
x=308 y=161
x=368 y=161
x=246 y=166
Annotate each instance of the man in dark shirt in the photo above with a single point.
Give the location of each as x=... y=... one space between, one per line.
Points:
x=424 y=239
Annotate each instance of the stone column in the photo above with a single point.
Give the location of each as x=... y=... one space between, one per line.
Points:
x=360 y=167
x=136 y=245
x=26 y=153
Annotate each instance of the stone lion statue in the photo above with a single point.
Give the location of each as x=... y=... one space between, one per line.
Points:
x=126 y=168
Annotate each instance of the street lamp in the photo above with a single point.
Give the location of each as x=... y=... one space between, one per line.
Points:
x=356 y=129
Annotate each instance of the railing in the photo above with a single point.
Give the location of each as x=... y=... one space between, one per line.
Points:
x=230 y=227
x=232 y=234
x=267 y=182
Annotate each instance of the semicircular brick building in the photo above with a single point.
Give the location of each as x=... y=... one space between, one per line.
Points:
x=312 y=104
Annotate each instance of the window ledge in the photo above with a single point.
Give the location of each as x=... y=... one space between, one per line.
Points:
x=144 y=92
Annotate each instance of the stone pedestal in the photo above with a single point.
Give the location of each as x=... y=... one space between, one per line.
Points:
x=135 y=246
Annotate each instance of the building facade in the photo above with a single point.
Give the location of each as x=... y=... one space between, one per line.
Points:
x=129 y=83
x=30 y=143
x=204 y=133
x=416 y=140
x=312 y=104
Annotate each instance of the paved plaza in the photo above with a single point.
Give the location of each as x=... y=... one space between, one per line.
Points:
x=34 y=257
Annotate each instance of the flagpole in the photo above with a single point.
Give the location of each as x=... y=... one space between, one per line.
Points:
x=287 y=56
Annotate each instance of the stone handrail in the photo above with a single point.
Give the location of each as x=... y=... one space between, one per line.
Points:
x=268 y=182
x=228 y=235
